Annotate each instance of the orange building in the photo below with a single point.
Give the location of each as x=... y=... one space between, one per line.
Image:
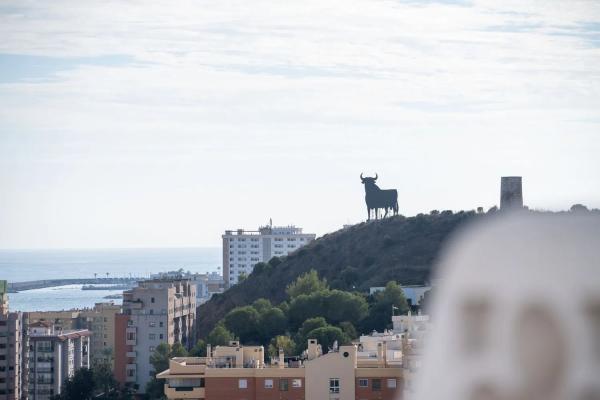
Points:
x=237 y=372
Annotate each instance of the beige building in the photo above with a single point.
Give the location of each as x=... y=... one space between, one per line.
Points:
x=61 y=320
x=414 y=330
x=54 y=358
x=14 y=350
x=157 y=311
x=100 y=321
x=235 y=372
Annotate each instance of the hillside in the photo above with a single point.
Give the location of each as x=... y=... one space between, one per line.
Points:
x=355 y=258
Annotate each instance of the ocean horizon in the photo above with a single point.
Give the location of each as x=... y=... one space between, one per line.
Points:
x=29 y=265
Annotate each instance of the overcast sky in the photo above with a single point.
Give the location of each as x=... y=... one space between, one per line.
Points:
x=135 y=124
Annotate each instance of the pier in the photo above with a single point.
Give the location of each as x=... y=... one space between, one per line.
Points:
x=14 y=287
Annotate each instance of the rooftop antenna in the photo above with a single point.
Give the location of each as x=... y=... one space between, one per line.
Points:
x=271 y=222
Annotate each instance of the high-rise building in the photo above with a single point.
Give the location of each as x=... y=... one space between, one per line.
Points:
x=157 y=311
x=14 y=350
x=100 y=320
x=511 y=192
x=55 y=356
x=243 y=249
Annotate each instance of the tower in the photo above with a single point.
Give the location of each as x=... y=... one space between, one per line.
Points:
x=511 y=192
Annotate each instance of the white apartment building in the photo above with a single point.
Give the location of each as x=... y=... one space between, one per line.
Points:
x=54 y=356
x=243 y=249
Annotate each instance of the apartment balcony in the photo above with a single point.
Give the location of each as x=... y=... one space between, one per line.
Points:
x=131 y=373
x=185 y=392
x=131 y=336
x=133 y=304
x=131 y=354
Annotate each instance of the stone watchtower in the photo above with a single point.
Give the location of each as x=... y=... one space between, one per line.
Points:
x=511 y=192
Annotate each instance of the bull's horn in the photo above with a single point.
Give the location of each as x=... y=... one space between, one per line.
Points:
x=376 y=176
x=361 y=176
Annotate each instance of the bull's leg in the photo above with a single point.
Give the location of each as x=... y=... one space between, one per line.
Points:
x=386 y=212
x=368 y=214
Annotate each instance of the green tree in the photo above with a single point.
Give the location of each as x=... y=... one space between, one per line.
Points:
x=348 y=329
x=306 y=284
x=344 y=306
x=104 y=379
x=327 y=335
x=199 y=349
x=311 y=324
x=272 y=322
x=244 y=323
x=262 y=305
x=97 y=383
x=301 y=336
x=334 y=305
x=219 y=336
x=79 y=387
x=281 y=342
x=380 y=312
x=160 y=357
x=284 y=306
x=160 y=362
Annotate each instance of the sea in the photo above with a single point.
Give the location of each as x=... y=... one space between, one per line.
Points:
x=29 y=265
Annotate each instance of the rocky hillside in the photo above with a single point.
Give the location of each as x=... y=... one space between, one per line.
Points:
x=355 y=258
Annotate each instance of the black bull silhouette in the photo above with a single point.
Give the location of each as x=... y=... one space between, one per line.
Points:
x=377 y=198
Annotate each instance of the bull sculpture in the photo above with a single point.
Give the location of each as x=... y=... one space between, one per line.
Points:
x=377 y=199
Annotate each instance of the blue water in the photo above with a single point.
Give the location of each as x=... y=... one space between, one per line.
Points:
x=58 y=298
x=27 y=265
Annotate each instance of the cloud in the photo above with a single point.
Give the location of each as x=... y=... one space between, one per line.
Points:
x=104 y=97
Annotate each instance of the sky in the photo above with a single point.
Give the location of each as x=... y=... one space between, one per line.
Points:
x=161 y=124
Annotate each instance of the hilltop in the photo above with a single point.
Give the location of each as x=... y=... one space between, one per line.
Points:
x=355 y=258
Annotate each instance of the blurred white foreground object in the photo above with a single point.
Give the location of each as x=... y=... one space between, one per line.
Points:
x=517 y=315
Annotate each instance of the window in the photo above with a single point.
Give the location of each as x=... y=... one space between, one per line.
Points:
x=161 y=336
x=152 y=336
x=363 y=383
x=151 y=348
x=376 y=385
x=297 y=383
x=391 y=383
x=243 y=383
x=130 y=335
x=152 y=324
x=268 y=383
x=152 y=300
x=160 y=324
x=283 y=385
x=334 y=385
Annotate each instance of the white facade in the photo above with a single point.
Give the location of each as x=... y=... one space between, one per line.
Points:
x=54 y=358
x=242 y=249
